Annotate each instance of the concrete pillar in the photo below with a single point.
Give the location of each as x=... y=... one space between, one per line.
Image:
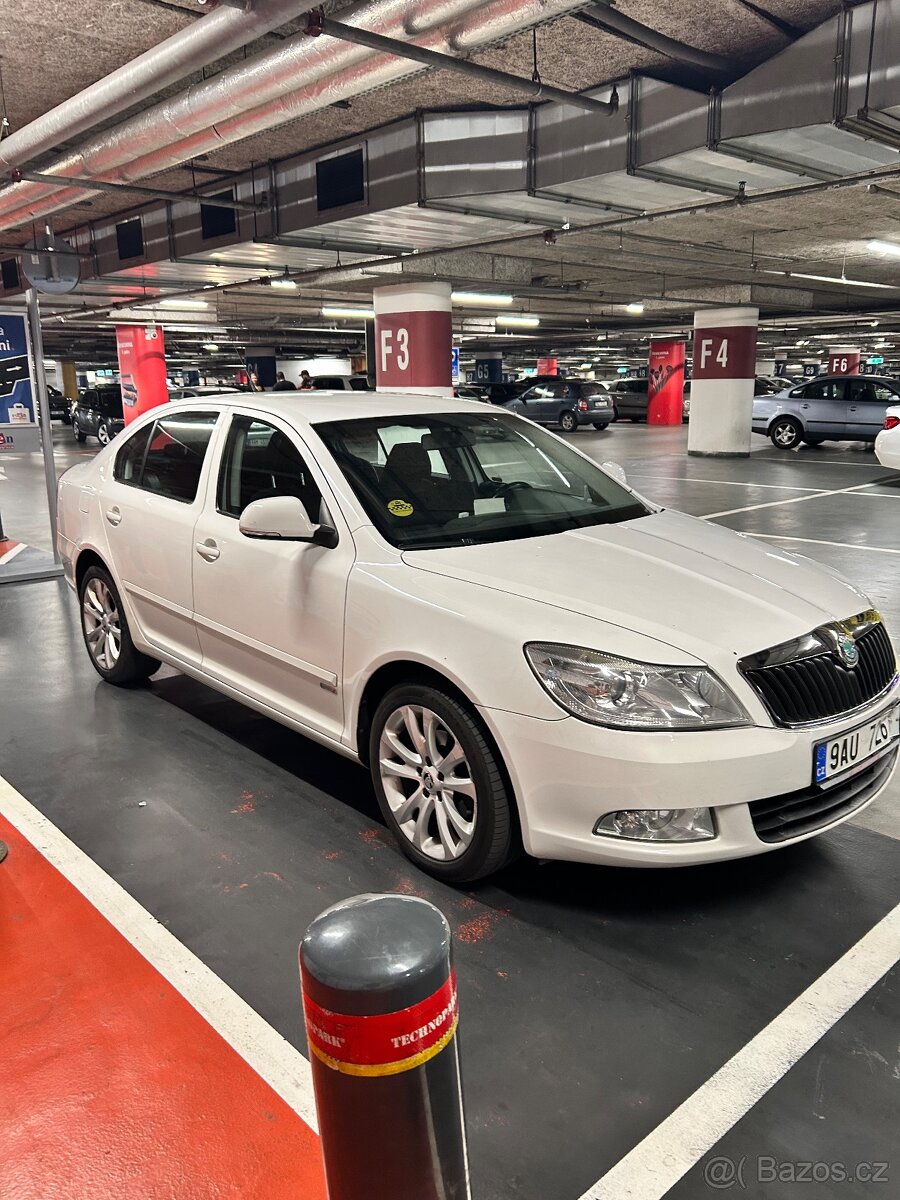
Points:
x=489 y=367
x=413 y=339
x=722 y=384
x=844 y=360
x=67 y=379
x=765 y=366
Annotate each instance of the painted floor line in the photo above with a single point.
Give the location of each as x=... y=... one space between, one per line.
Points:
x=781 y=537
x=273 y=1058
x=11 y=554
x=815 y=462
x=658 y=1162
x=730 y=512
x=778 y=487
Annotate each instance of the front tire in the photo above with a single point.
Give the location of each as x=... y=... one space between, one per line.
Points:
x=813 y=441
x=601 y=425
x=79 y=435
x=568 y=422
x=106 y=634
x=785 y=433
x=103 y=434
x=440 y=785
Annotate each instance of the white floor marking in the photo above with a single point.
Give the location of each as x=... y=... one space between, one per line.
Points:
x=778 y=487
x=728 y=512
x=782 y=537
x=872 y=464
x=273 y=1058
x=664 y=1156
x=11 y=554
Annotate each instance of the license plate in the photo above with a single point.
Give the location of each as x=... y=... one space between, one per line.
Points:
x=857 y=746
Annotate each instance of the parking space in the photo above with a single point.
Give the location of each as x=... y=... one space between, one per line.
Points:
x=595 y=1001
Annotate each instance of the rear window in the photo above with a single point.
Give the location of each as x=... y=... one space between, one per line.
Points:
x=166 y=457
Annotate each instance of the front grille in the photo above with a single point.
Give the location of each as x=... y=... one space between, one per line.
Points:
x=818 y=688
x=781 y=818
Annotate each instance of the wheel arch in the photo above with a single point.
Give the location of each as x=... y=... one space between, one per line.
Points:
x=88 y=557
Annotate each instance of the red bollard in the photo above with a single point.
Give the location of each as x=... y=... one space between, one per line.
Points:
x=380 y=1003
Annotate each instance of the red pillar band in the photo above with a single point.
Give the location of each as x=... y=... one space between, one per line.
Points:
x=844 y=361
x=665 y=383
x=412 y=349
x=728 y=352
x=142 y=366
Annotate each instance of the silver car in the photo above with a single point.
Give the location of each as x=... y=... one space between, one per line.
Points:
x=837 y=407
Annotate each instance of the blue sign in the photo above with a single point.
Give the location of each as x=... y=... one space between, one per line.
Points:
x=16 y=396
x=810 y=369
x=489 y=369
x=780 y=367
x=454 y=364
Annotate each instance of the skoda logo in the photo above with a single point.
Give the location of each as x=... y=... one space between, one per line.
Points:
x=846 y=649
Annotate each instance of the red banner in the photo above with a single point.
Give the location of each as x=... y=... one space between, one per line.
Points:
x=412 y=349
x=142 y=366
x=386 y=1043
x=547 y=366
x=665 y=383
x=844 y=362
x=725 y=353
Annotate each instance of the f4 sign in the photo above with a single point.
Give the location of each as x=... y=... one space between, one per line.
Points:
x=726 y=353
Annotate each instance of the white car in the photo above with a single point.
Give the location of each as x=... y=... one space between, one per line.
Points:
x=887 y=443
x=524 y=651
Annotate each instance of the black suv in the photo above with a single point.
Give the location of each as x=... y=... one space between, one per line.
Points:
x=59 y=405
x=98 y=414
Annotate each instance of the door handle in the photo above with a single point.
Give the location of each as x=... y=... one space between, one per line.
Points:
x=804 y=406
x=853 y=408
x=113 y=515
x=208 y=550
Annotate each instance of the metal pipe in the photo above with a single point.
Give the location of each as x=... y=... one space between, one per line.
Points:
x=296 y=77
x=96 y=185
x=610 y=20
x=320 y=24
x=217 y=34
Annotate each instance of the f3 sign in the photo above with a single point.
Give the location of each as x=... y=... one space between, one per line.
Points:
x=726 y=353
x=413 y=349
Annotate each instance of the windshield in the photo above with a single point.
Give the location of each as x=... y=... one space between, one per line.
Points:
x=462 y=479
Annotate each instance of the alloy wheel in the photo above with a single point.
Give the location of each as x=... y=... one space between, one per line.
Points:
x=103 y=435
x=102 y=629
x=785 y=434
x=428 y=782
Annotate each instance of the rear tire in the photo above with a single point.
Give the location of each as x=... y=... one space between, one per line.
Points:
x=600 y=425
x=457 y=823
x=103 y=434
x=785 y=433
x=568 y=422
x=107 y=637
x=79 y=436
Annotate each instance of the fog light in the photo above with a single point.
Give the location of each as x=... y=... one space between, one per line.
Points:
x=658 y=825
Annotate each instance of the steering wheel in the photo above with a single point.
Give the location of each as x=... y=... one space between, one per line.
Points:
x=514 y=485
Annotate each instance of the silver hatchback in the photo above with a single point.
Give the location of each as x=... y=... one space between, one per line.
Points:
x=829 y=407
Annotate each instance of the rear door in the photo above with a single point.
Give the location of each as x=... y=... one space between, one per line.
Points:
x=88 y=412
x=868 y=401
x=822 y=407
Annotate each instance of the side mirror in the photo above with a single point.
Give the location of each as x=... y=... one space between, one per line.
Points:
x=283 y=518
x=617 y=471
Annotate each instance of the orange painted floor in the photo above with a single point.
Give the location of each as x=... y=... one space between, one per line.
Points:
x=111 y=1084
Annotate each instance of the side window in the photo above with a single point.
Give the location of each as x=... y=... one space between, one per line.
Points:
x=260 y=461
x=174 y=459
x=825 y=389
x=130 y=459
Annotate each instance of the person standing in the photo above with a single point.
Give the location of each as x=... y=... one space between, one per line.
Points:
x=254 y=384
x=282 y=384
x=306 y=383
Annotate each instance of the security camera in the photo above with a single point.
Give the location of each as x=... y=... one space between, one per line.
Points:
x=550 y=237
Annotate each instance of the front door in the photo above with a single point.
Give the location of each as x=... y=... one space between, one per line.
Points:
x=868 y=401
x=150 y=507
x=270 y=614
x=823 y=408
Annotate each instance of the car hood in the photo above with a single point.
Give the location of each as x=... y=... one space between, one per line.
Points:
x=689 y=583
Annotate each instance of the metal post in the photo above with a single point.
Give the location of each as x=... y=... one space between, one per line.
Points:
x=33 y=310
x=379 y=997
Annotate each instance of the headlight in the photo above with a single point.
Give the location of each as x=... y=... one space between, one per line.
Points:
x=607 y=690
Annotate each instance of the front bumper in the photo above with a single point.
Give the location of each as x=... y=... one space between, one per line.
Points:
x=567 y=773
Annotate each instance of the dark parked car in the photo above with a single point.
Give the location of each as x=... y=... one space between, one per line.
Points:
x=837 y=407
x=470 y=391
x=59 y=405
x=567 y=403
x=629 y=397
x=98 y=414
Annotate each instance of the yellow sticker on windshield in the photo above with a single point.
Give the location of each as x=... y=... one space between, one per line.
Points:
x=400 y=508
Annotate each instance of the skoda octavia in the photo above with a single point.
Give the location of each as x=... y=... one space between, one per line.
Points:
x=523 y=651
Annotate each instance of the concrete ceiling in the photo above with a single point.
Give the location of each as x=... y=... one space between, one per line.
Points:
x=579 y=285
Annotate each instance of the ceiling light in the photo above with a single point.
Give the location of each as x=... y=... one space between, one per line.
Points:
x=522 y=320
x=634 y=307
x=183 y=304
x=285 y=285
x=211 y=346
x=492 y=298
x=833 y=279
x=340 y=310
x=879 y=247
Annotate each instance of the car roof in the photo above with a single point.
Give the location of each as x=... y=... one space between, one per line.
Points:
x=311 y=407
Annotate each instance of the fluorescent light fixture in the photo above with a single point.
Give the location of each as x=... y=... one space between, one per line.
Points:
x=211 y=346
x=635 y=307
x=185 y=304
x=284 y=285
x=491 y=298
x=522 y=320
x=339 y=310
x=585 y=366
x=890 y=287
x=879 y=247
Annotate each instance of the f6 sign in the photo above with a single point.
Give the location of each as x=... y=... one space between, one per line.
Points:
x=726 y=353
x=845 y=362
